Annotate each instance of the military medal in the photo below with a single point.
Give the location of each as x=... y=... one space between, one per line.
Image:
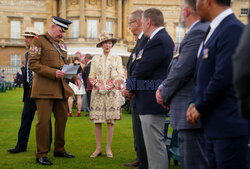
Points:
x=176 y=51
x=140 y=54
x=63 y=47
x=133 y=57
x=205 y=53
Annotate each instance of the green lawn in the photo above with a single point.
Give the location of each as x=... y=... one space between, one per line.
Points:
x=80 y=140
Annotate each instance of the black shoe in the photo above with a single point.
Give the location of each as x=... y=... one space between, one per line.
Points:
x=16 y=150
x=44 y=161
x=65 y=154
x=135 y=163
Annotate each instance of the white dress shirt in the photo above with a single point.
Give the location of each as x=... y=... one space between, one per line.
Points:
x=155 y=32
x=214 y=24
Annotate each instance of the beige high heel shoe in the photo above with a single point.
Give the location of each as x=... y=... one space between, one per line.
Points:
x=109 y=155
x=95 y=154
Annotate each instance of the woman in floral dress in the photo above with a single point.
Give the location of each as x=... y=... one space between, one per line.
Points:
x=106 y=75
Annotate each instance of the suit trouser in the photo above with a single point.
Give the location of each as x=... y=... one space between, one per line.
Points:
x=227 y=153
x=28 y=113
x=44 y=109
x=153 y=133
x=192 y=146
x=88 y=97
x=138 y=138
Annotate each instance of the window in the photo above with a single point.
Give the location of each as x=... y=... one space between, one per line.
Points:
x=244 y=11
x=92 y=28
x=75 y=29
x=179 y=34
x=15 y=60
x=109 y=26
x=15 y=27
x=39 y=26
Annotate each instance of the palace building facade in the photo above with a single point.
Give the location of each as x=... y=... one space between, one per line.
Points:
x=89 y=18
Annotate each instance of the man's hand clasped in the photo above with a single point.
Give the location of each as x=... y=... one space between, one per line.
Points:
x=159 y=99
x=192 y=114
x=127 y=94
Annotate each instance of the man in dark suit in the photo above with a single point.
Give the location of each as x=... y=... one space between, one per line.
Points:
x=149 y=70
x=85 y=76
x=241 y=60
x=214 y=96
x=135 y=27
x=29 y=106
x=176 y=90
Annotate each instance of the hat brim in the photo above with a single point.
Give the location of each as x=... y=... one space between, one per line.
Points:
x=100 y=43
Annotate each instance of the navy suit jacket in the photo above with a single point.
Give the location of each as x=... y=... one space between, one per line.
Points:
x=139 y=46
x=214 y=93
x=85 y=77
x=149 y=70
x=26 y=88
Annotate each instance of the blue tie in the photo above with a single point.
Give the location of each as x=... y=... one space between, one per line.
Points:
x=30 y=76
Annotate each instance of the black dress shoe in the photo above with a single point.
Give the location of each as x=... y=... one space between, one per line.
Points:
x=132 y=164
x=44 y=161
x=65 y=154
x=16 y=150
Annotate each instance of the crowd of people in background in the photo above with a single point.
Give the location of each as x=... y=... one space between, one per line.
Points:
x=192 y=81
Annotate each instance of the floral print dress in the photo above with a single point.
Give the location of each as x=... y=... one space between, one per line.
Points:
x=108 y=76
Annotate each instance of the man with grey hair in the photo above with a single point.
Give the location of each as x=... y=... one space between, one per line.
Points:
x=47 y=55
x=146 y=75
x=135 y=26
x=176 y=90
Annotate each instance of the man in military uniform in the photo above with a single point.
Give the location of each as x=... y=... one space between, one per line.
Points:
x=47 y=55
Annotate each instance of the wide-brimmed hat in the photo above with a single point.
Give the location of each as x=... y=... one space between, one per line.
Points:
x=31 y=31
x=104 y=37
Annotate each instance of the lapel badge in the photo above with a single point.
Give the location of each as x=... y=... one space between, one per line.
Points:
x=63 y=47
x=176 y=51
x=205 y=53
x=140 y=54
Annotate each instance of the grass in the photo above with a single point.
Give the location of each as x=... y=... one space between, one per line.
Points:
x=80 y=140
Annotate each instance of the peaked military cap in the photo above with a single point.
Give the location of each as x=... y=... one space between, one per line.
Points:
x=63 y=23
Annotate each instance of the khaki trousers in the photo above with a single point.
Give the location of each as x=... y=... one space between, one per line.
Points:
x=44 y=109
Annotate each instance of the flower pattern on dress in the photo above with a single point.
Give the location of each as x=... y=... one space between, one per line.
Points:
x=105 y=108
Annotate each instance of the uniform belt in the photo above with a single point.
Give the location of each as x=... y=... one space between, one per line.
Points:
x=58 y=68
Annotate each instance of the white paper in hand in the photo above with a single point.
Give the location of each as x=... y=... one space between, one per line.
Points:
x=70 y=71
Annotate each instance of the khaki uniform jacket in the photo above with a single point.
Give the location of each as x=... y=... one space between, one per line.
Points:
x=44 y=60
